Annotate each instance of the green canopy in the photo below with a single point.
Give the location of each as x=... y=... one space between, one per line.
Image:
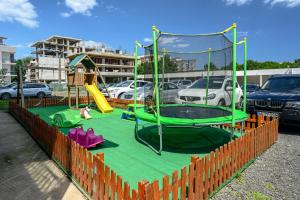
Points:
x=83 y=59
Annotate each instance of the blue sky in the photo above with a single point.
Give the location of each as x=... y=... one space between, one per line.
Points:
x=271 y=26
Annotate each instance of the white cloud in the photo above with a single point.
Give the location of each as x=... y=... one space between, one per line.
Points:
x=21 y=11
x=169 y=40
x=242 y=33
x=65 y=14
x=94 y=44
x=111 y=8
x=287 y=3
x=147 y=40
x=81 y=6
x=237 y=2
x=183 y=45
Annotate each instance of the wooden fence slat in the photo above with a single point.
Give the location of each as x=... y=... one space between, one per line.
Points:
x=155 y=189
x=211 y=171
x=113 y=184
x=175 y=185
x=191 y=177
x=166 y=187
x=119 y=188
x=183 y=183
x=206 y=175
x=199 y=179
x=221 y=174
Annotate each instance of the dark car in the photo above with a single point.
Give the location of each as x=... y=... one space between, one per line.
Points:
x=250 y=88
x=279 y=96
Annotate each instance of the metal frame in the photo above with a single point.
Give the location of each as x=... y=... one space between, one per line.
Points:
x=155 y=31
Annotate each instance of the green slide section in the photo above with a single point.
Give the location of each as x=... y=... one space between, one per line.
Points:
x=65 y=119
x=99 y=98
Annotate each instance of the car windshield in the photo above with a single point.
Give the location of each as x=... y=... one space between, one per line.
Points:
x=123 y=84
x=214 y=83
x=282 y=84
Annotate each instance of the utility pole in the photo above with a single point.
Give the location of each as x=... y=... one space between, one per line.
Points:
x=59 y=67
x=21 y=85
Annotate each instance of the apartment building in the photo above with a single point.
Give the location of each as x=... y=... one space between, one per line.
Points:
x=114 y=66
x=53 y=54
x=51 y=58
x=7 y=58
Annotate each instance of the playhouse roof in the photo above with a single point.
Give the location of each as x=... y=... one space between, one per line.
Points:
x=84 y=59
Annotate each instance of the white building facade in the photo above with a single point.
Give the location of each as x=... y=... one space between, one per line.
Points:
x=7 y=59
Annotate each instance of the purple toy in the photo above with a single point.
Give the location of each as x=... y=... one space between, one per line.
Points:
x=88 y=139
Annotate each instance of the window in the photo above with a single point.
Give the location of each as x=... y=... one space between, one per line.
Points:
x=140 y=84
x=172 y=86
x=214 y=83
x=282 y=84
x=35 y=86
x=186 y=82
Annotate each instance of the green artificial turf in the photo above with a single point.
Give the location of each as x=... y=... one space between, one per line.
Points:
x=133 y=160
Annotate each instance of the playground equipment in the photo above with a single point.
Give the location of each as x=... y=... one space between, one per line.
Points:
x=83 y=72
x=65 y=119
x=86 y=139
x=209 y=56
x=84 y=112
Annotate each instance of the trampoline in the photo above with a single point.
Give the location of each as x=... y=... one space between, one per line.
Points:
x=208 y=58
x=191 y=115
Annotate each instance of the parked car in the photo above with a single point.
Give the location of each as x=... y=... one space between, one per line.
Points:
x=168 y=92
x=250 y=88
x=279 y=96
x=29 y=90
x=119 y=89
x=182 y=83
x=219 y=92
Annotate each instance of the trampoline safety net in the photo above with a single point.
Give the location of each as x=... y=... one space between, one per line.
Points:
x=192 y=69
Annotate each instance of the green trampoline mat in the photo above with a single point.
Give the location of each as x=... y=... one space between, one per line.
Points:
x=133 y=160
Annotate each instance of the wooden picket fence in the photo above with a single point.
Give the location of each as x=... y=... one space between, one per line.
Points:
x=201 y=179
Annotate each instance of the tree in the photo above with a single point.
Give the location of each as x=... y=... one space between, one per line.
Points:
x=3 y=73
x=20 y=69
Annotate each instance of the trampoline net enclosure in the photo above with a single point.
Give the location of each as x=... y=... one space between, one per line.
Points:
x=192 y=69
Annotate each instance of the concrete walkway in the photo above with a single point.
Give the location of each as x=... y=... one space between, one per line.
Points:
x=26 y=172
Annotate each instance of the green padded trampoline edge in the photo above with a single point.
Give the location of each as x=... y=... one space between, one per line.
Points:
x=240 y=116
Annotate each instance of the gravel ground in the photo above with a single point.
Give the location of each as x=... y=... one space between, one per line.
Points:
x=273 y=175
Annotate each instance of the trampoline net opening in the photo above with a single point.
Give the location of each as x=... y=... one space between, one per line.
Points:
x=192 y=69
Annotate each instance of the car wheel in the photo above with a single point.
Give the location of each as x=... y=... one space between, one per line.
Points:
x=41 y=95
x=5 y=96
x=120 y=95
x=221 y=102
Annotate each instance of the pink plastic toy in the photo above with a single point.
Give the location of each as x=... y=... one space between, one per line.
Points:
x=88 y=139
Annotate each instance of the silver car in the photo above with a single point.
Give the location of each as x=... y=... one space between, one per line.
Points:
x=29 y=90
x=167 y=93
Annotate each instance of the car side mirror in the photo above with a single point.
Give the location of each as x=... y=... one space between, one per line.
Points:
x=228 y=88
x=132 y=86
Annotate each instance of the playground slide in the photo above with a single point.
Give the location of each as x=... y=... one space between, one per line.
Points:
x=99 y=98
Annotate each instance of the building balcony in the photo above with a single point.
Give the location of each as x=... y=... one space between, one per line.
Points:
x=115 y=66
x=117 y=74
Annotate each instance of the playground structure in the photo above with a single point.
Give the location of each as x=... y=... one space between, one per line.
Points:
x=83 y=72
x=86 y=139
x=212 y=53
